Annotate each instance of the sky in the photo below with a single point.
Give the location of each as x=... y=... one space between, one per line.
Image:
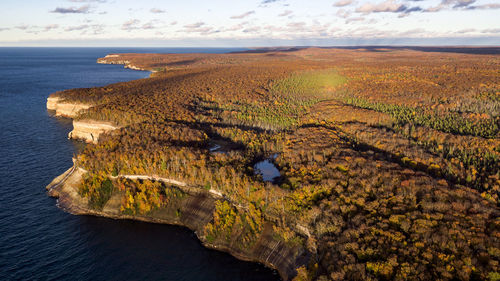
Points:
x=248 y=23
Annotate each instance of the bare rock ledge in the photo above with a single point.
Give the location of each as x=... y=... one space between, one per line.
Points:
x=65 y=109
x=90 y=130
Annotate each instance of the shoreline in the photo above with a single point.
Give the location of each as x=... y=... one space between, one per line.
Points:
x=125 y=63
x=64 y=189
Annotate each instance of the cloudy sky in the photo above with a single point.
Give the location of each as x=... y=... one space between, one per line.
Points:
x=248 y=23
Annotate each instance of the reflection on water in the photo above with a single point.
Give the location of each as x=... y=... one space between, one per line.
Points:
x=267 y=169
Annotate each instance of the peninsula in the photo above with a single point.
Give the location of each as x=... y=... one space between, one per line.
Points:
x=387 y=158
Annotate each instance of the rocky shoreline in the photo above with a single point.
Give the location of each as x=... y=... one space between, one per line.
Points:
x=196 y=208
x=114 y=59
x=86 y=130
x=65 y=109
x=197 y=211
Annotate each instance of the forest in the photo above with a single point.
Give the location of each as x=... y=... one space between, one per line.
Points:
x=388 y=158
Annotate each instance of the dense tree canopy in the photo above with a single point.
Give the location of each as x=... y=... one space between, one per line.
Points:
x=389 y=160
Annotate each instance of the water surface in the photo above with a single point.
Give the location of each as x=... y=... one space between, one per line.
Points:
x=267 y=169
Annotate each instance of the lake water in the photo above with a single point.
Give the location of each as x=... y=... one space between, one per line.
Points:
x=38 y=241
x=267 y=169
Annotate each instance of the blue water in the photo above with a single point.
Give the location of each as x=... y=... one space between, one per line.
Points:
x=267 y=169
x=38 y=241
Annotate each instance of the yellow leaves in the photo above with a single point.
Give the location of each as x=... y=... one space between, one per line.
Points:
x=405 y=159
x=444 y=257
x=224 y=218
x=342 y=168
x=130 y=199
x=434 y=167
x=141 y=198
x=382 y=269
x=419 y=245
x=396 y=219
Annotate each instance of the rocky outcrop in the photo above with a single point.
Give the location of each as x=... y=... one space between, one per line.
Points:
x=106 y=60
x=65 y=109
x=87 y=130
x=115 y=59
x=193 y=210
x=90 y=130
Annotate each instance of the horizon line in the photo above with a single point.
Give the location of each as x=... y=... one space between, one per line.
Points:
x=270 y=47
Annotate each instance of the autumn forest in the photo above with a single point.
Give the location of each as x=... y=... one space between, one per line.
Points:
x=388 y=158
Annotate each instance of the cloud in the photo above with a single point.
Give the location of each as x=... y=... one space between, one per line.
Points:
x=50 y=27
x=157 y=11
x=251 y=29
x=130 y=24
x=297 y=25
x=467 y=30
x=384 y=7
x=22 y=27
x=98 y=28
x=199 y=27
x=244 y=15
x=413 y=9
x=342 y=3
x=285 y=13
x=461 y=4
x=194 y=25
x=343 y=13
x=78 y=27
x=267 y=3
x=349 y=20
x=173 y=23
x=72 y=10
x=491 y=30
x=150 y=24
x=485 y=7
x=410 y=10
x=237 y=27
x=435 y=8
x=458 y=3
x=412 y=32
x=298 y=30
x=87 y=29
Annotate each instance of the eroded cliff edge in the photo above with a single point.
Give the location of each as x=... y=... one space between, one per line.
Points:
x=64 y=108
x=115 y=59
x=194 y=209
x=87 y=130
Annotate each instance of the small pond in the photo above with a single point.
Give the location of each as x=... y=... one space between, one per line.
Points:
x=267 y=169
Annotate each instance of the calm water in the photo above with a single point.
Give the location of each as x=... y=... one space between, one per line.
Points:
x=37 y=240
x=267 y=170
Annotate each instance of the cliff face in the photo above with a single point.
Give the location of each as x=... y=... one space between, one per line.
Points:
x=89 y=130
x=65 y=109
x=86 y=130
x=194 y=210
